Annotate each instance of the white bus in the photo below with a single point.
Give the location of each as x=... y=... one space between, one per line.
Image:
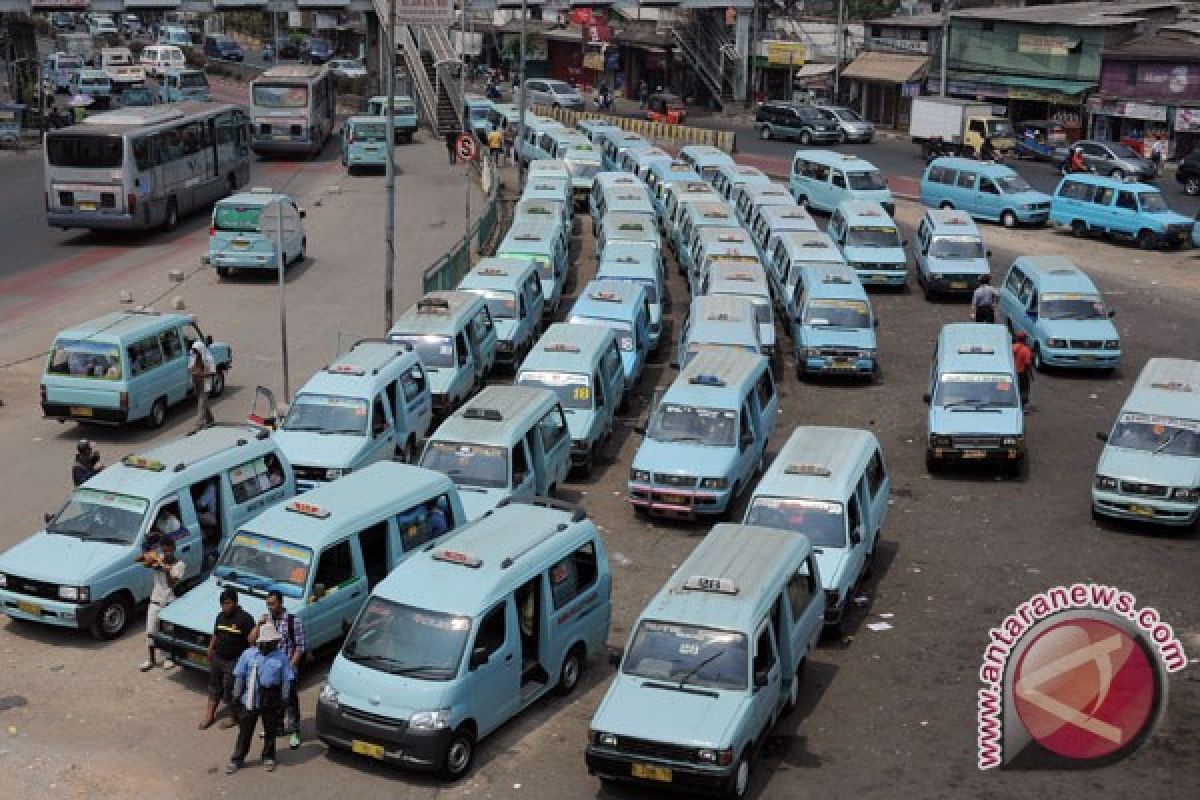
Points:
x=293 y=107
x=140 y=167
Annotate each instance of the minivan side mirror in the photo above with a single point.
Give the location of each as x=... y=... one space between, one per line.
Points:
x=479 y=657
x=987 y=253
x=615 y=654
x=674 y=364
x=927 y=398
x=875 y=322
x=345 y=627
x=761 y=678
x=47 y=518
x=208 y=340
x=1111 y=313
x=303 y=213
x=855 y=536
x=1102 y=436
x=318 y=590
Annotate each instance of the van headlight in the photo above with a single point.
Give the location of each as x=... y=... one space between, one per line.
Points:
x=1105 y=482
x=604 y=739
x=334 y=474
x=75 y=594
x=1112 y=344
x=1056 y=343
x=328 y=696
x=1013 y=441
x=430 y=720
x=639 y=475
x=3 y=581
x=1186 y=495
x=714 y=483
x=940 y=441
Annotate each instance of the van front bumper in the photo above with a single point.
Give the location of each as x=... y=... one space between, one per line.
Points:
x=1144 y=509
x=359 y=731
x=242 y=260
x=63 y=412
x=693 y=778
x=97 y=220
x=990 y=455
x=676 y=502
x=881 y=276
x=950 y=282
x=184 y=645
x=50 y=612
x=1086 y=359
x=831 y=365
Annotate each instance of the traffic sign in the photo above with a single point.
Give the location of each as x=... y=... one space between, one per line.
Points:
x=467 y=148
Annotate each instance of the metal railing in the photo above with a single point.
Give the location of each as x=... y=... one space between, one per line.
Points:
x=447 y=271
x=658 y=132
x=446 y=64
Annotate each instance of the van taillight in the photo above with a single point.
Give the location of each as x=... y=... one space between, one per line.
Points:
x=211 y=230
x=131 y=202
x=124 y=401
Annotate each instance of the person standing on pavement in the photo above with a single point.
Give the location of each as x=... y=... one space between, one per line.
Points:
x=263 y=677
x=202 y=367
x=510 y=133
x=230 y=638
x=495 y=143
x=87 y=463
x=643 y=92
x=1156 y=154
x=1023 y=362
x=292 y=644
x=452 y=145
x=168 y=572
x=983 y=301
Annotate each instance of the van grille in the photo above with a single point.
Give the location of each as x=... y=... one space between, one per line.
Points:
x=1143 y=489
x=835 y=353
x=1085 y=344
x=377 y=720
x=977 y=441
x=32 y=587
x=645 y=747
x=675 y=480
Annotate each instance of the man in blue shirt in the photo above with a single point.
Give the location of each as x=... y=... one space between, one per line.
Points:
x=262 y=679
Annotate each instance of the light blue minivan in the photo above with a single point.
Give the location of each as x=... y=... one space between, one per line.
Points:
x=949 y=253
x=323 y=553
x=371 y=403
x=1149 y=470
x=640 y=263
x=540 y=238
x=833 y=330
x=248 y=229
x=822 y=179
x=1062 y=312
x=84 y=569
x=975 y=413
x=717 y=321
x=790 y=252
x=124 y=367
x=705 y=440
x=985 y=190
x=466 y=635
x=714 y=661
x=623 y=307
x=582 y=365
x=364 y=143
x=1134 y=212
x=704 y=159
x=178 y=85
x=870 y=243
x=512 y=289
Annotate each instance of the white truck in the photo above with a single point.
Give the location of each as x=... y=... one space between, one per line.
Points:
x=949 y=126
x=122 y=71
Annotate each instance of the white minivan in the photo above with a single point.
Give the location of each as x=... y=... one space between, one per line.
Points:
x=156 y=59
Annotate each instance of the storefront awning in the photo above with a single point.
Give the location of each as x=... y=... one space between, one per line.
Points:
x=887 y=68
x=814 y=71
x=1021 y=81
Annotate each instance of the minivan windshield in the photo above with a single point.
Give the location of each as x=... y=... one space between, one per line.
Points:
x=85 y=359
x=192 y=80
x=97 y=516
x=1013 y=184
x=973 y=390
x=1166 y=435
x=280 y=96
x=865 y=181
x=402 y=640
x=485 y=466
x=501 y=304
x=822 y=522
x=673 y=422
x=434 y=350
x=822 y=313
x=573 y=390
x=956 y=247
x=1152 y=202
x=262 y=562
x=689 y=655
x=1072 y=306
x=872 y=236
x=328 y=414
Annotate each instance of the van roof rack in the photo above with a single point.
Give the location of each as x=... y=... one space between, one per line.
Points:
x=488 y=414
x=561 y=347
x=813 y=470
x=706 y=380
x=700 y=583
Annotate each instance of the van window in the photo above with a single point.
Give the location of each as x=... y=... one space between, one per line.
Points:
x=574 y=575
x=379 y=421
x=336 y=566
x=765 y=389
x=875 y=473
x=1103 y=195
x=552 y=428
x=853 y=513
x=1074 y=190
x=520 y=464
x=258 y=476
x=424 y=522
x=1015 y=277
x=818 y=172
x=942 y=175
x=481 y=325
x=800 y=591
x=745 y=432
x=493 y=630
x=612 y=360
x=172 y=347
x=1126 y=200
x=144 y=355
x=987 y=187
x=413 y=383
x=839 y=179
x=372 y=542
x=764 y=651
x=966 y=180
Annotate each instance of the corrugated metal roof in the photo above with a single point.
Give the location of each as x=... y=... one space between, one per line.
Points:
x=1101 y=14
x=887 y=68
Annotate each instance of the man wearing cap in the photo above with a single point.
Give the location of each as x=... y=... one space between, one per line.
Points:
x=87 y=462
x=201 y=367
x=262 y=678
x=1023 y=361
x=230 y=638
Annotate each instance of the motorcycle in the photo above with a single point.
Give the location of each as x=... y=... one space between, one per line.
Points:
x=603 y=101
x=493 y=92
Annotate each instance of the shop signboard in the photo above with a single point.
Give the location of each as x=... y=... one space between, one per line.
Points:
x=898 y=43
x=1187 y=120
x=1145 y=111
x=61 y=5
x=1040 y=45
x=785 y=53
x=424 y=12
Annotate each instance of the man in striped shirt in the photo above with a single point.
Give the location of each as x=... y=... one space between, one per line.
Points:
x=293 y=645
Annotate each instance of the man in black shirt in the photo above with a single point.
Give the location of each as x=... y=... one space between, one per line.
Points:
x=229 y=638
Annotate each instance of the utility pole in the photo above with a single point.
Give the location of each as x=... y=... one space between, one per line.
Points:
x=462 y=74
x=389 y=226
x=943 y=45
x=837 y=61
x=281 y=268
x=521 y=112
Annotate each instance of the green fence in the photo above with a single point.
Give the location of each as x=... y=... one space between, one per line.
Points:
x=447 y=271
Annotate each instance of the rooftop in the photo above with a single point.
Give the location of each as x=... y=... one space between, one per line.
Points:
x=1175 y=43
x=1083 y=15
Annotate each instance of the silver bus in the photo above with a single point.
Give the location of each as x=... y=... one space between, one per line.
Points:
x=141 y=167
x=293 y=107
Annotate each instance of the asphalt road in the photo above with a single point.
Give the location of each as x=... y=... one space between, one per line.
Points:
x=884 y=714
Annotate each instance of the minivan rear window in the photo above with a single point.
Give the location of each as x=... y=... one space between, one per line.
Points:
x=93 y=152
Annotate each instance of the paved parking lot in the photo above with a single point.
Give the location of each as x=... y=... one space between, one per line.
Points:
x=884 y=714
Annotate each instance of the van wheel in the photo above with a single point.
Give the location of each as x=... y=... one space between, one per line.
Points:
x=739 y=782
x=802 y=201
x=1079 y=228
x=1037 y=359
x=218 y=384
x=1145 y=239
x=223 y=273
x=931 y=463
x=572 y=670
x=1008 y=219
x=171 y=221
x=112 y=618
x=158 y=414
x=764 y=132
x=460 y=752
x=946 y=205
x=303 y=249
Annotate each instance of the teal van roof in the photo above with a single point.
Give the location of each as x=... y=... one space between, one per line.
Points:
x=330 y=511
x=752 y=559
x=498 y=415
x=836 y=280
x=603 y=299
x=715 y=378
x=1168 y=387
x=566 y=347
x=122 y=324
x=951 y=221
x=495 y=272
x=846 y=161
x=471 y=570
x=811 y=246
x=973 y=347
x=528 y=230
x=629 y=259
x=437 y=312
x=818 y=463
x=864 y=212
x=1057 y=274
x=970 y=164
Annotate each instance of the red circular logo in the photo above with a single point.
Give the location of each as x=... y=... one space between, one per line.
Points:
x=1085 y=688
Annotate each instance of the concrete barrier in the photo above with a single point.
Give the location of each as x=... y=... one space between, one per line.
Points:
x=673 y=135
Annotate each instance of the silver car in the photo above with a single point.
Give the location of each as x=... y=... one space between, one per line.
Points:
x=556 y=94
x=1115 y=160
x=854 y=128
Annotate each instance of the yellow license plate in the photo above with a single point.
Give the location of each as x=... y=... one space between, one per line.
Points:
x=197 y=659
x=674 y=499
x=974 y=454
x=87 y=206
x=367 y=749
x=1144 y=511
x=958 y=285
x=240 y=245
x=30 y=608
x=81 y=411
x=1087 y=358
x=651 y=772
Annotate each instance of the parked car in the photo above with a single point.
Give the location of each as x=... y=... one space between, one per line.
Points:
x=666 y=107
x=853 y=127
x=286 y=47
x=795 y=120
x=1113 y=159
x=558 y=94
x=316 y=51
x=347 y=68
x=222 y=47
x=1188 y=173
x=1042 y=140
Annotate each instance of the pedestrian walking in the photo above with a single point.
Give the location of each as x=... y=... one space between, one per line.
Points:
x=983 y=301
x=168 y=572
x=263 y=677
x=1157 y=151
x=202 y=367
x=510 y=135
x=230 y=638
x=86 y=464
x=495 y=143
x=643 y=92
x=292 y=644
x=1023 y=362
x=452 y=146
